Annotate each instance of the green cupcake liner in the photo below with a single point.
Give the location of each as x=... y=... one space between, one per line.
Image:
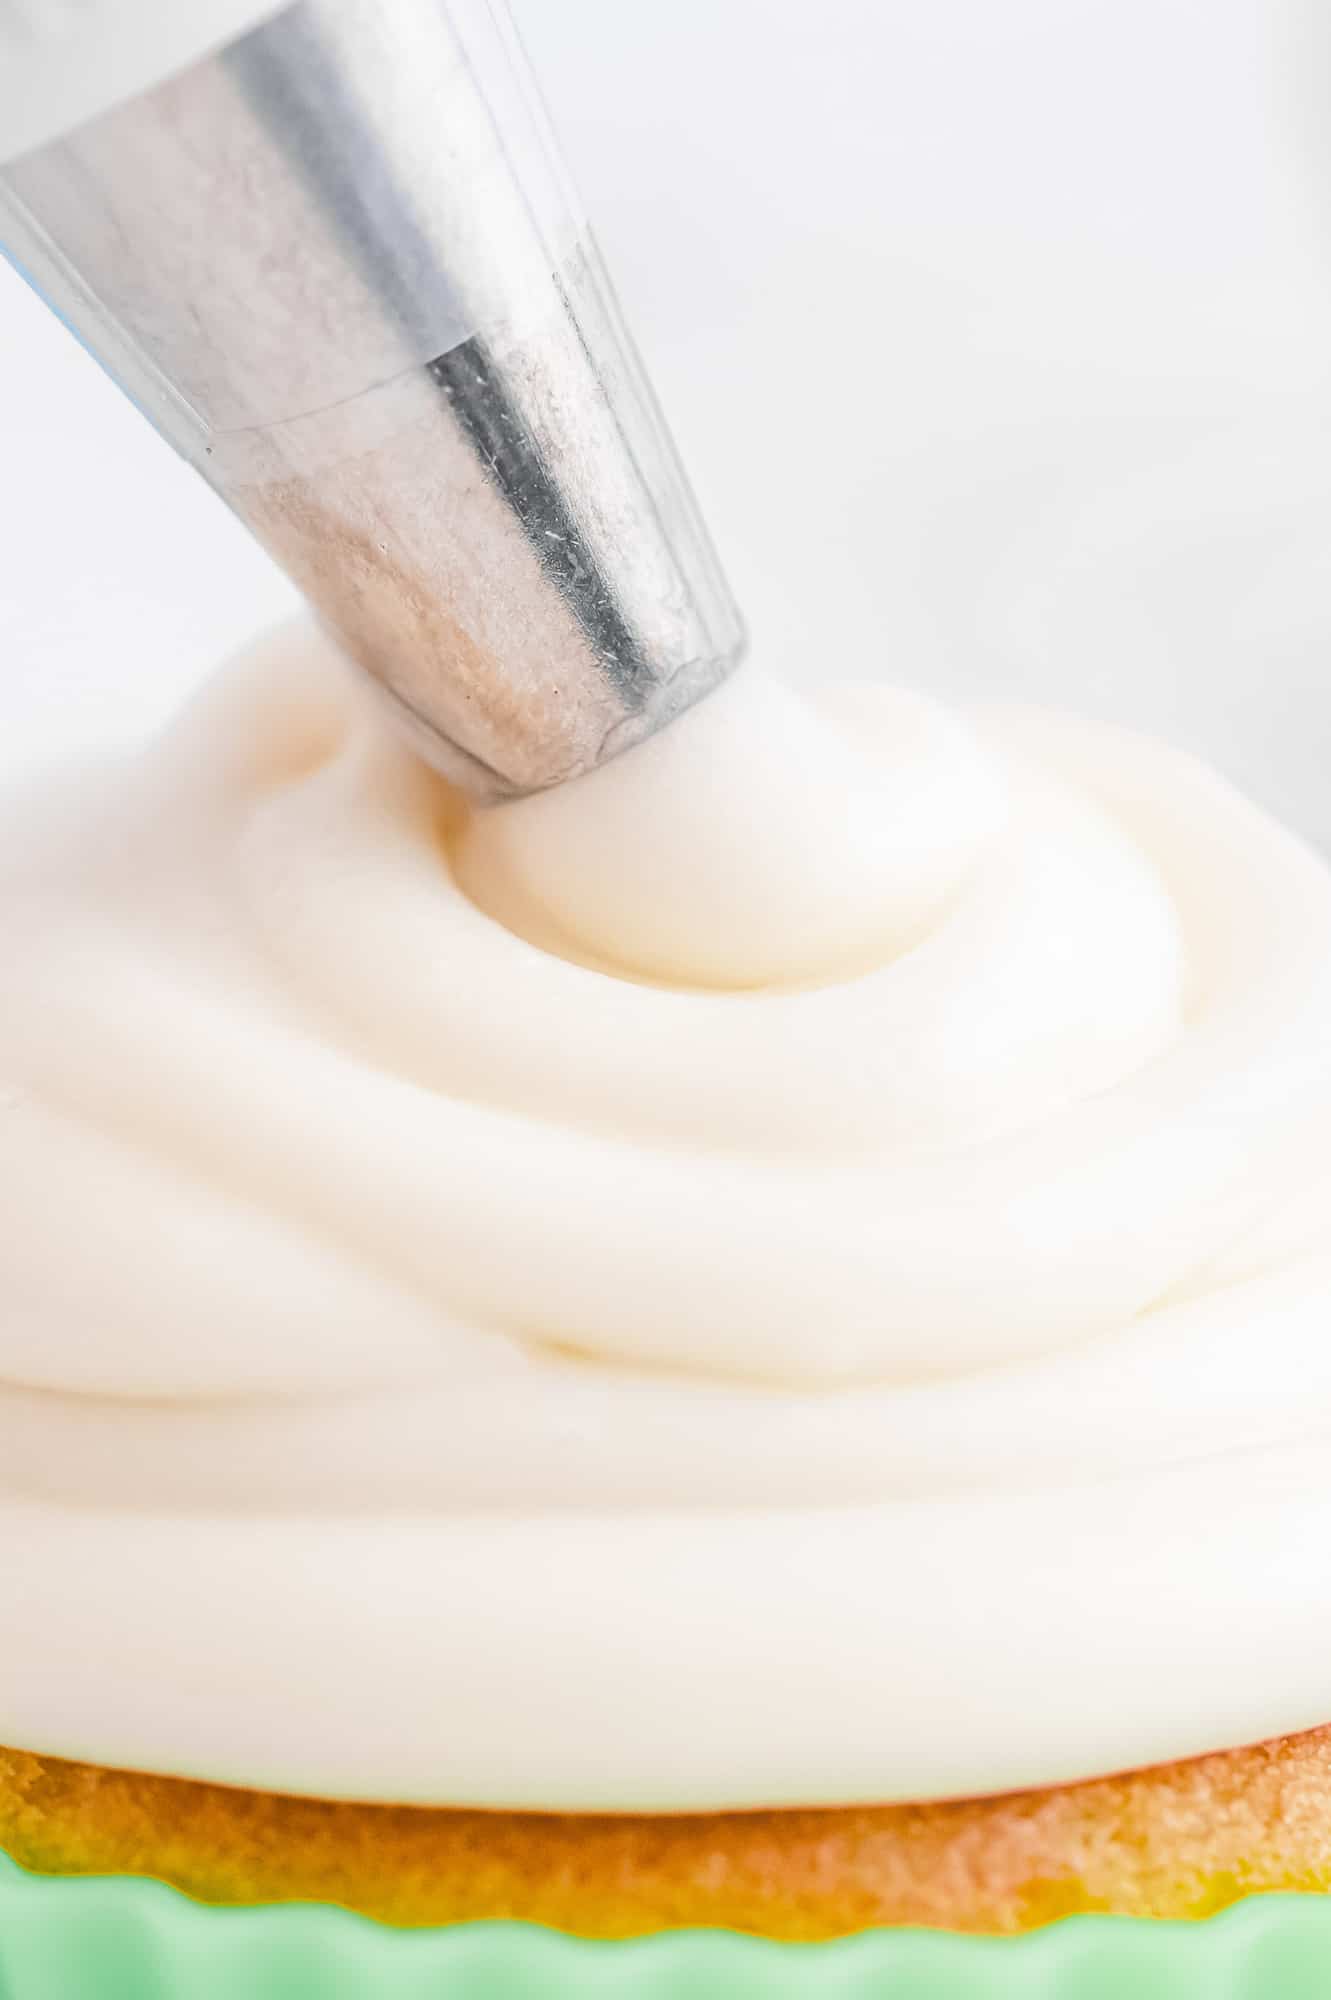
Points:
x=118 y=1938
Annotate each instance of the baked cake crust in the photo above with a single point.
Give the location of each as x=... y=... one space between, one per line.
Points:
x=1179 y=1840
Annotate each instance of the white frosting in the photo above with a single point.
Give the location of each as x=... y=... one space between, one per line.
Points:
x=795 y=1270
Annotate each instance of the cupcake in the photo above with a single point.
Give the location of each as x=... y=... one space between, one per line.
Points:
x=769 y=1378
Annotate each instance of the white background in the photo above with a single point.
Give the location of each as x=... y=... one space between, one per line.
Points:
x=996 y=333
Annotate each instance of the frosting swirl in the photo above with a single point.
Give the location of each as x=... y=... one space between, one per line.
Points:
x=661 y=1281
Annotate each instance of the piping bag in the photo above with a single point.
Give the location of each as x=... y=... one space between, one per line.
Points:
x=331 y=253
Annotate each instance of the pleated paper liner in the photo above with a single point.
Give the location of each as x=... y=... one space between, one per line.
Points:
x=122 y=1938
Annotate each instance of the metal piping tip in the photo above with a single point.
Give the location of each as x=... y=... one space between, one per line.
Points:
x=338 y=265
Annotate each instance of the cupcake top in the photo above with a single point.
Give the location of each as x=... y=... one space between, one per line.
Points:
x=794 y=1270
